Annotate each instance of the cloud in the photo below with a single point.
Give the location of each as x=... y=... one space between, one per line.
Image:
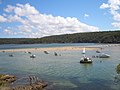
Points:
x=103 y=6
x=114 y=7
x=9 y=32
x=22 y=10
x=9 y=8
x=116 y=24
x=2 y=19
x=86 y=15
x=32 y=23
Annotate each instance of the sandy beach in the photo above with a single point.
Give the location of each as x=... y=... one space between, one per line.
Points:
x=52 y=49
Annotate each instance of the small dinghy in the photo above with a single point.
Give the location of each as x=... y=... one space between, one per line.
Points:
x=29 y=52
x=55 y=54
x=11 y=55
x=46 y=52
x=32 y=56
x=98 y=51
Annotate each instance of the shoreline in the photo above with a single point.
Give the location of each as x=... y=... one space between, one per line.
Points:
x=51 y=49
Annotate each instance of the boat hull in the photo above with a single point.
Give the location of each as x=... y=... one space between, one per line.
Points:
x=104 y=56
x=82 y=61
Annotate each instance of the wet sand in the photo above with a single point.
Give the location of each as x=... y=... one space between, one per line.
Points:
x=51 y=49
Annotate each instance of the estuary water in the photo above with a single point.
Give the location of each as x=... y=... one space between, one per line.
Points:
x=18 y=46
x=64 y=72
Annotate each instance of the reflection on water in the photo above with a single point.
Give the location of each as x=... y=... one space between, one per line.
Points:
x=64 y=72
x=86 y=66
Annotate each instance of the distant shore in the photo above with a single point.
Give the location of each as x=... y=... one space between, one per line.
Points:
x=51 y=49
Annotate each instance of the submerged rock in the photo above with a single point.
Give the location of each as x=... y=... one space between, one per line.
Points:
x=117 y=76
x=35 y=86
x=118 y=69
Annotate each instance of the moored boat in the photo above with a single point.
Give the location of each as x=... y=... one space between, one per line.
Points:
x=11 y=55
x=103 y=55
x=85 y=60
x=98 y=51
x=83 y=52
x=32 y=56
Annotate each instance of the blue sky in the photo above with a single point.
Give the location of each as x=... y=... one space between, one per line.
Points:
x=39 y=18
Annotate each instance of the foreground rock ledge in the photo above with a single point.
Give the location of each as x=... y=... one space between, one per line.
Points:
x=7 y=79
x=35 y=86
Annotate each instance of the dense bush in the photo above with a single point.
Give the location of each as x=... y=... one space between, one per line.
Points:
x=89 y=37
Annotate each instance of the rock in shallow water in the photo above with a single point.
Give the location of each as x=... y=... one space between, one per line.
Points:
x=5 y=79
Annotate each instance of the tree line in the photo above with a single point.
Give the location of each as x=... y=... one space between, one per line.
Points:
x=88 y=37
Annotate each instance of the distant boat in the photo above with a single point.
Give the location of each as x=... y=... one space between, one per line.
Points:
x=46 y=52
x=103 y=55
x=55 y=54
x=3 y=51
x=11 y=55
x=32 y=56
x=83 y=52
x=98 y=51
x=29 y=52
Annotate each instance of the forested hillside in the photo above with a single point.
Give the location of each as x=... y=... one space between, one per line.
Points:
x=89 y=37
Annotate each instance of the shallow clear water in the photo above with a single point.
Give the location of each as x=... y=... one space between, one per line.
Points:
x=64 y=71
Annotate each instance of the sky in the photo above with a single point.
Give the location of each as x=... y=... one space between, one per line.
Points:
x=40 y=18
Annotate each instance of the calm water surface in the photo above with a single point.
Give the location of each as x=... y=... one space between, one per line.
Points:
x=17 y=46
x=64 y=72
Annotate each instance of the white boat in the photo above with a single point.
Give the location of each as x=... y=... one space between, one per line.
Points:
x=103 y=55
x=32 y=56
x=85 y=59
x=83 y=52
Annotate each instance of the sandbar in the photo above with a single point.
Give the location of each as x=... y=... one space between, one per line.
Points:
x=66 y=48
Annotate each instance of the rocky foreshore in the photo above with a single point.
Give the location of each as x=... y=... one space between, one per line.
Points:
x=35 y=86
x=6 y=80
